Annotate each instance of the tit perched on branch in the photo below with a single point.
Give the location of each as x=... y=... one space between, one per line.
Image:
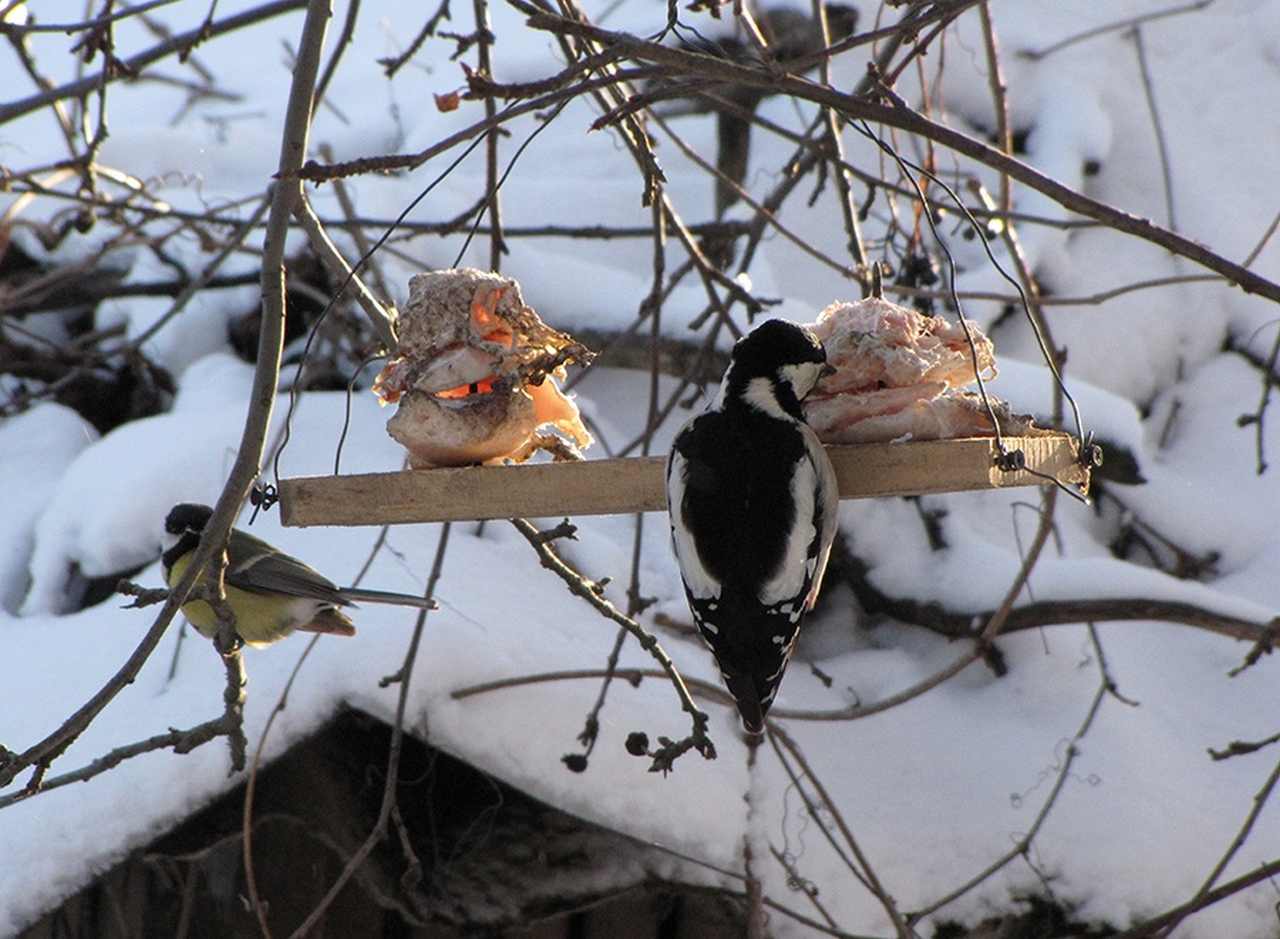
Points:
x=753 y=503
x=789 y=35
x=270 y=593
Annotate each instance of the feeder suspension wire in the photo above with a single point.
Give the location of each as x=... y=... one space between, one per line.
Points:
x=1008 y=461
x=1049 y=359
x=355 y=269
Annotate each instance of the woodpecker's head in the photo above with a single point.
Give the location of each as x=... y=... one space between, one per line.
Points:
x=773 y=367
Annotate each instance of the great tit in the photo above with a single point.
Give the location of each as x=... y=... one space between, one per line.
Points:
x=270 y=592
x=753 y=501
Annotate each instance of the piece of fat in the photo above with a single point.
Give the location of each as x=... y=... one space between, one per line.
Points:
x=475 y=374
x=462 y=431
x=951 y=414
x=553 y=406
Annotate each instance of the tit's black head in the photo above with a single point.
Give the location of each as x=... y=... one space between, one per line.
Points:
x=187 y=517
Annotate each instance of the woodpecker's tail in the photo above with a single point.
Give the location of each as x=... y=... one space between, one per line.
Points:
x=747 y=697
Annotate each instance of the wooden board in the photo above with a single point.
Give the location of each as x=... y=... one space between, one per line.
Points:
x=613 y=487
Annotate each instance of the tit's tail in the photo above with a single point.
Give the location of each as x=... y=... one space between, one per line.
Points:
x=350 y=594
x=330 y=620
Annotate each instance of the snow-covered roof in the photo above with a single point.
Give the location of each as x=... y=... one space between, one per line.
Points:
x=935 y=789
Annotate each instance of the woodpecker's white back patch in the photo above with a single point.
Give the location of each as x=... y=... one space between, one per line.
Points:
x=697 y=579
x=794 y=572
x=827 y=503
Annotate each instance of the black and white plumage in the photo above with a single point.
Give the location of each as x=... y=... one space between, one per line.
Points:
x=753 y=504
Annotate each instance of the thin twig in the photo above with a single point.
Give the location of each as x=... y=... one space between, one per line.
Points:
x=206 y=276
x=1150 y=927
x=1112 y=27
x=863 y=870
x=1259 y=802
x=484 y=31
x=1149 y=91
x=392 y=778
x=1023 y=845
x=650 y=308
x=762 y=211
x=339 y=47
x=134 y=64
x=247 y=824
x=1242 y=747
x=392 y=65
x=382 y=319
x=902 y=117
x=580 y=587
x=180 y=741
x=848 y=208
x=808 y=888
x=1258 y=417
x=21 y=29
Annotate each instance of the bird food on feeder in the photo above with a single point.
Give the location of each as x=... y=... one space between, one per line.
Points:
x=475 y=374
x=899 y=376
x=475 y=383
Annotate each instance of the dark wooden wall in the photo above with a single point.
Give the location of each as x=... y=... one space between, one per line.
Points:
x=493 y=862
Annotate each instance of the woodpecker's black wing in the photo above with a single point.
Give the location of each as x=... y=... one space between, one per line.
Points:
x=753 y=511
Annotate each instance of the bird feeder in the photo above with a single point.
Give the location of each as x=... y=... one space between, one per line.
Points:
x=624 y=486
x=474 y=381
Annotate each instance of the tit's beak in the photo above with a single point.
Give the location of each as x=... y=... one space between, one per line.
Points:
x=827 y=371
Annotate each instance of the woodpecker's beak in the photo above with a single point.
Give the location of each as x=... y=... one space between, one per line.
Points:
x=827 y=371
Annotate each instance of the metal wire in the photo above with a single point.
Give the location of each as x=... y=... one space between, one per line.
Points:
x=1009 y=460
x=861 y=126
x=355 y=269
x=488 y=199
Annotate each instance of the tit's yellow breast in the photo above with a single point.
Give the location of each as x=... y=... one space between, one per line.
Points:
x=261 y=618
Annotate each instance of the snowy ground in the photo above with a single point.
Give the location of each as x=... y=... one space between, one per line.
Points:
x=934 y=790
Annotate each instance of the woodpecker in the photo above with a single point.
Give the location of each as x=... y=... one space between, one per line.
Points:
x=753 y=502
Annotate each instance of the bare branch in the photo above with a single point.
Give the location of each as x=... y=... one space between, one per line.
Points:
x=1115 y=26
x=899 y=115
x=382 y=319
x=580 y=587
x=177 y=44
x=21 y=29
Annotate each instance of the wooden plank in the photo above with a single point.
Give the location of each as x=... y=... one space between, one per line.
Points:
x=611 y=487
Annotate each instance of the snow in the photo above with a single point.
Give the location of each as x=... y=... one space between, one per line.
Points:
x=934 y=789
x=35 y=448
